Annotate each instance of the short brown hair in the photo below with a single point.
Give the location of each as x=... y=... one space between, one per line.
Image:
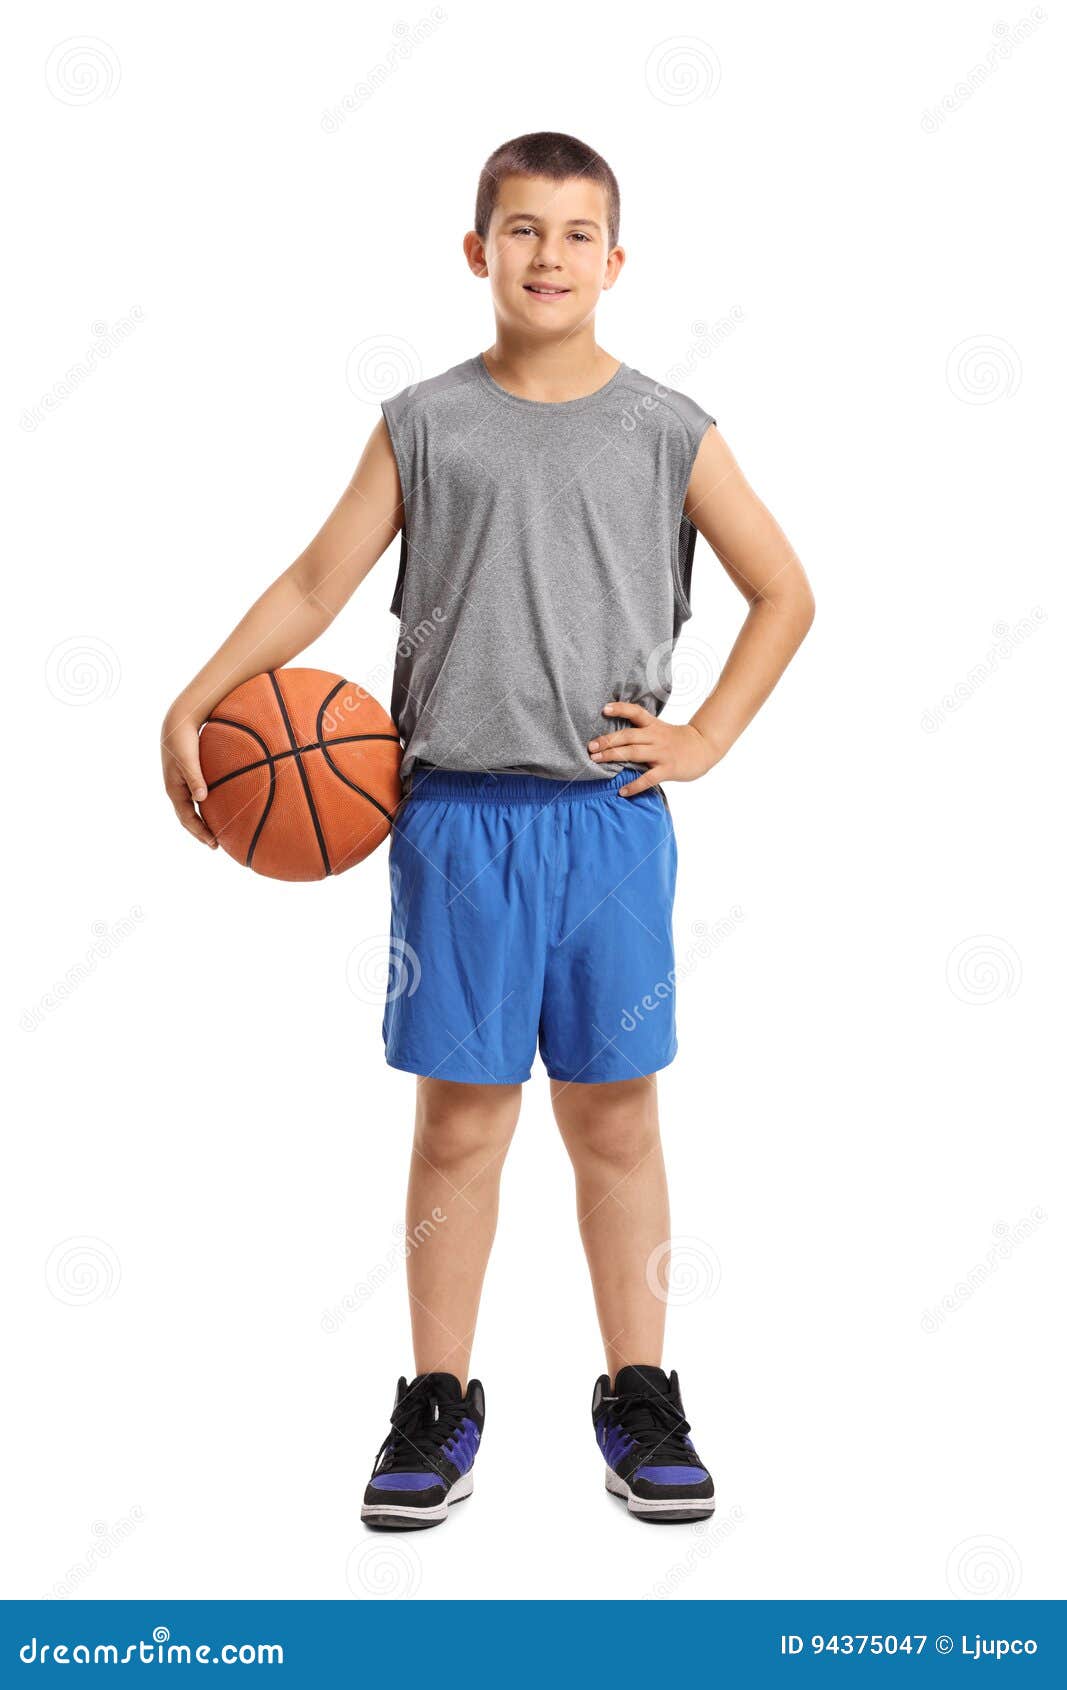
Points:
x=544 y=153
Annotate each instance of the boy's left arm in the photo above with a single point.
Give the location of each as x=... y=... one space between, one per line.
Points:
x=764 y=567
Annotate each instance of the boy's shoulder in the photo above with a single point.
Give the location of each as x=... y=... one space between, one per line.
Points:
x=424 y=392
x=648 y=399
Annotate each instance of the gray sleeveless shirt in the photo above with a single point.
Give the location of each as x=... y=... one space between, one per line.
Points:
x=545 y=566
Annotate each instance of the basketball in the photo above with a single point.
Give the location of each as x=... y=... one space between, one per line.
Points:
x=302 y=771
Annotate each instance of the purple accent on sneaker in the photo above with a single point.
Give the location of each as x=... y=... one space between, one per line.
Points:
x=407 y=1481
x=672 y=1475
x=614 y=1442
x=462 y=1446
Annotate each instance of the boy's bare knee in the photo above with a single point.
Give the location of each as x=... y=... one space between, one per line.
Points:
x=457 y=1123
x=615 y=1124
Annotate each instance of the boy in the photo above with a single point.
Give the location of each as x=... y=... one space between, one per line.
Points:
x=548 y=497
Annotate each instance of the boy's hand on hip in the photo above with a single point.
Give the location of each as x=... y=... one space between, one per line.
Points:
x=673 y=750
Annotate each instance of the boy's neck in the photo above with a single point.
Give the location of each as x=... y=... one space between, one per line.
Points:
x=553 y=371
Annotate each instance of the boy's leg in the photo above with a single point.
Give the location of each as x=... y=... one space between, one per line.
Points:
x=611 y=1132
x=462 y=1134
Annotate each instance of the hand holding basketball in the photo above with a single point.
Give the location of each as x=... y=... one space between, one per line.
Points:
x=180 y=751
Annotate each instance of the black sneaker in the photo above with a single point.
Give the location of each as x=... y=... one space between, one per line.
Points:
x=425 y=1462
x=642 y=1431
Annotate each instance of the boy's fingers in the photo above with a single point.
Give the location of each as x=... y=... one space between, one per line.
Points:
x=641 y=784
x=181 y=768
x=625 y=750
x=624 y=736
x=635 y=712
x=193 y=822
x=633 y=754
x=194 y=780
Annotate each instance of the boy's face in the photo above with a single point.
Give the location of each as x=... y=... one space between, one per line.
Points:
x=547 y=254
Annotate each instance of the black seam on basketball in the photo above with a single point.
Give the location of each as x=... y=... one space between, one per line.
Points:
x=331 y=765
x=321 y=742
x=277 y=756
x=262 y=819
x=322 y=707
x=349 y=739
x=302 y=772
x=225 y=722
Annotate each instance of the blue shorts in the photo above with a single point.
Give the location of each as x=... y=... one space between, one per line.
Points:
x=530 y=913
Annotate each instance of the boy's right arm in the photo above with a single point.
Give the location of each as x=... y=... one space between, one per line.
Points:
x=292 y=613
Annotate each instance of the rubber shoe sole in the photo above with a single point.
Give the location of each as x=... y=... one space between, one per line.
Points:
x=397 y=1518
x=669 y=1511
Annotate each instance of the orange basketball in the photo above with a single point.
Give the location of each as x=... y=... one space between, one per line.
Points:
x=302 y=771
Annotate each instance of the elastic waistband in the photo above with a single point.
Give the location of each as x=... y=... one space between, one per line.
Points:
x=481 y=788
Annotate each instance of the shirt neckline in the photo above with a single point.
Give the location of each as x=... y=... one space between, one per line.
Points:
x=580 y=403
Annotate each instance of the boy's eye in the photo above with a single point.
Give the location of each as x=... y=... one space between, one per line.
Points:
x=525 y=229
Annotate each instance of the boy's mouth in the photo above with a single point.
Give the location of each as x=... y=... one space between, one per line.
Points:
x=545 y=292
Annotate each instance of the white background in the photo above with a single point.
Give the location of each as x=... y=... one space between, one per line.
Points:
x=206 y=1151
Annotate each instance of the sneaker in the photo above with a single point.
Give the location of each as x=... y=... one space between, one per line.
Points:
x=642 y=1430
x=425 y=1463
